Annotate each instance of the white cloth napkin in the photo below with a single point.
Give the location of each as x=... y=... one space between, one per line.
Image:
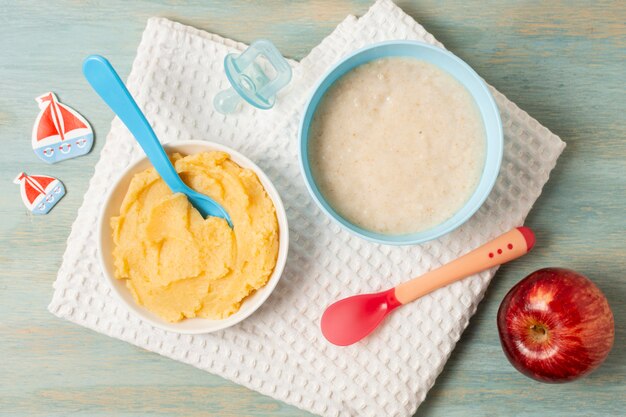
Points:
x=279 y=351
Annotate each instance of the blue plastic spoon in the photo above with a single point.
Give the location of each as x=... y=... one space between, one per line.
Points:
x=111 y=89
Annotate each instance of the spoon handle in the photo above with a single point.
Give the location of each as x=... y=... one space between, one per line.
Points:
x=105 y=81
x=502 y=249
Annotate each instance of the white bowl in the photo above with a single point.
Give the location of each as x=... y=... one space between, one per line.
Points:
x=112 y=206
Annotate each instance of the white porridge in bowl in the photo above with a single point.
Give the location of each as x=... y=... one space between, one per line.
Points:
x=397 y=146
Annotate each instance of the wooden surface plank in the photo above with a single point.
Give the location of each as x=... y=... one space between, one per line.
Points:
x=563 y=62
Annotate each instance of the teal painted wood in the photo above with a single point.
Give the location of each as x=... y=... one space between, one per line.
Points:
x=563 y=62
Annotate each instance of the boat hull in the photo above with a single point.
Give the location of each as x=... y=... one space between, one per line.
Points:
x=67 y=149
x=48 y=200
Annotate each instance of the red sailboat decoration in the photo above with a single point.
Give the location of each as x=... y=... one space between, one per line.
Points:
x=39 y=192
x=60 y=132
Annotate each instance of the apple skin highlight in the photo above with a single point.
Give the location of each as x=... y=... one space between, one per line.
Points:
x=555 y=325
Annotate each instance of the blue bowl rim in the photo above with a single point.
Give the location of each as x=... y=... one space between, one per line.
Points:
x=410 y=238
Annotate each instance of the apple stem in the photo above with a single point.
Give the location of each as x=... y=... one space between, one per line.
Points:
x=538 y=329
x=539 y=333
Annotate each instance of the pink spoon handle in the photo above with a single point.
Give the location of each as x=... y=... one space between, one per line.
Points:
x=502 y=249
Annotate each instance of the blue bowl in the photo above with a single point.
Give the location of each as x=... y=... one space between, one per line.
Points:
x=459 y=70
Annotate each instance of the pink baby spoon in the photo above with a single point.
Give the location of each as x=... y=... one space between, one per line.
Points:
x=349 y=320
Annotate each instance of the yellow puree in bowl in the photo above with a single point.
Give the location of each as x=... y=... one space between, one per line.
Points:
x=177 y=264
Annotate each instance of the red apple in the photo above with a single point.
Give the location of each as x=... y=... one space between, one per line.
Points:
x=555 y=325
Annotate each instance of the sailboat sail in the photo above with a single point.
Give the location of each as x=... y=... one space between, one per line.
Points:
x=46 y=127
x=60 y=132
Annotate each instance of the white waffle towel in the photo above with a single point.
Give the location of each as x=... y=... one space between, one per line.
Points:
x=279 y=351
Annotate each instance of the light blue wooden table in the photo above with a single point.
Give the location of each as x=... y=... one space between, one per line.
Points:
x=563 y=62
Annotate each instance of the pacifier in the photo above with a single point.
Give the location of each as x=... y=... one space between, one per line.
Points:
x=256 y=76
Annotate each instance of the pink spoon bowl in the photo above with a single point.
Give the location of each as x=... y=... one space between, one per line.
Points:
x=349 y=320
